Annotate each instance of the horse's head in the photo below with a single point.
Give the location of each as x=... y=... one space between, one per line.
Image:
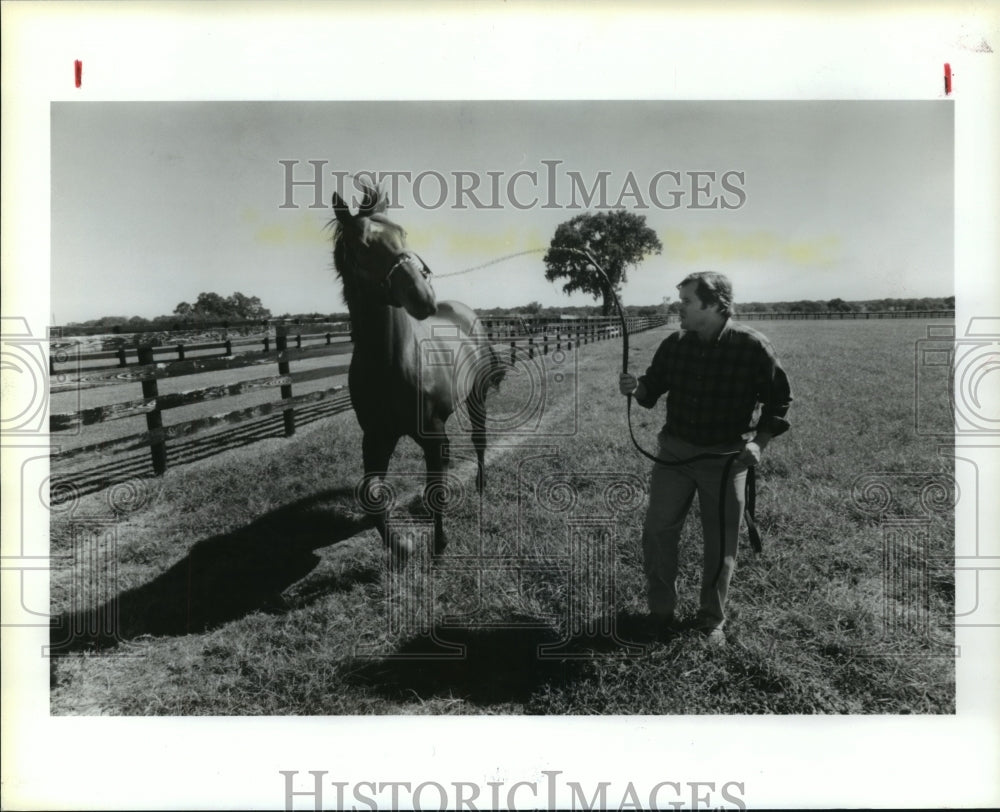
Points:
x=371 y=256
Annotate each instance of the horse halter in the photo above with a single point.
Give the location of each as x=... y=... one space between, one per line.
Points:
x=405 y=259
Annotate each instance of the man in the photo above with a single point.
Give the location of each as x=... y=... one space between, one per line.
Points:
x=716 y=372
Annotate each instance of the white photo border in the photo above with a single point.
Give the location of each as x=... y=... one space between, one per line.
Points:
x=496 y=50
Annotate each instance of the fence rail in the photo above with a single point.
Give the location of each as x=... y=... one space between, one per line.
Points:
x=528 y=337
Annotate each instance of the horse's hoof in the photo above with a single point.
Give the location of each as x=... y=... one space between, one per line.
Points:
x=440 y=542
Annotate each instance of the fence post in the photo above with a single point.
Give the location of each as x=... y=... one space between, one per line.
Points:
x=154 y=419
x=513 y=352
x=180 y=352
x=281 y=343
x=122 y=360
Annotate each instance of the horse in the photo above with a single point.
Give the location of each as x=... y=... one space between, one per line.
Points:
x=415 y=359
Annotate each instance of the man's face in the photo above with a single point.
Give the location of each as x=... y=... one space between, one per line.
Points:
x=694 y=315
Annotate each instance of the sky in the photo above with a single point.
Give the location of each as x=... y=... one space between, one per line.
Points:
x=156 y=202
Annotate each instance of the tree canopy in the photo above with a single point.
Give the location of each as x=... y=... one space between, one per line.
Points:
x=619 y=240
x=214 y=306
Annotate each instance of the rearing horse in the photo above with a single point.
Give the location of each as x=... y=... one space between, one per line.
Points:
x=414 y=359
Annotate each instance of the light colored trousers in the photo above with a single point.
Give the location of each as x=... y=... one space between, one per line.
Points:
x=671 y=492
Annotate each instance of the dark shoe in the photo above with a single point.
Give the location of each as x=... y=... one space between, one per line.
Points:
x=663 y=627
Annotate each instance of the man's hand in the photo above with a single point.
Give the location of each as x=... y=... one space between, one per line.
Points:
x=750 y=456
x=627 y=383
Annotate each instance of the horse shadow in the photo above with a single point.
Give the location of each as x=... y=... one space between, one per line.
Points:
x=224 y=577
x=489 y=665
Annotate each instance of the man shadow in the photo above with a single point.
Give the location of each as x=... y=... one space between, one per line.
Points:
x=222 y=578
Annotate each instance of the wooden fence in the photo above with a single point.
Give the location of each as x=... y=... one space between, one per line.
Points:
x=291 y=343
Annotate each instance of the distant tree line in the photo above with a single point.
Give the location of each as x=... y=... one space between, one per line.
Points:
x=535 y=309
x=841 y=306
x=213 y=308
x=207 y=308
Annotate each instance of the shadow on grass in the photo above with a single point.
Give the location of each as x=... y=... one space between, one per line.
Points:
x=490 y=665
x=222 y=578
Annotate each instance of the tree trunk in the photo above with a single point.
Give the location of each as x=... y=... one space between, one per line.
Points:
x=608 y=306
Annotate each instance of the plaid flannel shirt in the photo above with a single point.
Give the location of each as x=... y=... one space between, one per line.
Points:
x=715 y=387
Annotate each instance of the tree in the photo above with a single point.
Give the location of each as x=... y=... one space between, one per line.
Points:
x=213 y=306
x=619 y=241
x=210 y=305
x=247 y=307
x=839 y=306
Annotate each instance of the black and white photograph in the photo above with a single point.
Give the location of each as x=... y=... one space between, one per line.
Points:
x=660 y=420
x=450 y=516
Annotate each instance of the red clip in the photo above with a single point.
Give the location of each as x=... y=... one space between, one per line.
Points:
x=78 y=68
x=947 y=79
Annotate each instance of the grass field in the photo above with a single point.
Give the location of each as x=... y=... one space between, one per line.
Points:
x=251 y=583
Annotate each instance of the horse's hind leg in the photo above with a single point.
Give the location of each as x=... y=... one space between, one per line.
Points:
x=376 y=451
x=476 y=405
x=489 y=375
x=436 y=449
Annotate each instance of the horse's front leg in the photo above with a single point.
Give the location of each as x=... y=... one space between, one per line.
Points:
x=376 y=449
x=436 y=451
